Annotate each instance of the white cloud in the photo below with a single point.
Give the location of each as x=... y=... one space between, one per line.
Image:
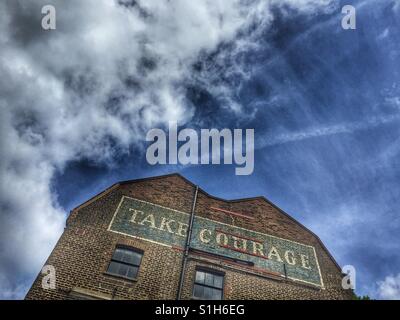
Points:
x=322 y=131
x=389 y=289
x=396 y=5
x=384 y=34
x=95 y=85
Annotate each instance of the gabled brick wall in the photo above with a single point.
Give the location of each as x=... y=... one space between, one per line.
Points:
x=83 y=252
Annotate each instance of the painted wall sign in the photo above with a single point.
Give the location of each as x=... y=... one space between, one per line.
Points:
x=144 y=220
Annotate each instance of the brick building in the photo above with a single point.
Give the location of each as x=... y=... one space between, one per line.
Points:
x=165 y=238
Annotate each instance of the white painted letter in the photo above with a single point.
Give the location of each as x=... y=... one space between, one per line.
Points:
x=289 y=257
x=202 y=236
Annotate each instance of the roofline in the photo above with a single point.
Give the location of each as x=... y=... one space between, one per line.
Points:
x=113 y=186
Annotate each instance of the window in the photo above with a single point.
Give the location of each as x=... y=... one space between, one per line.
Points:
x=208 y=285
x=125 y=262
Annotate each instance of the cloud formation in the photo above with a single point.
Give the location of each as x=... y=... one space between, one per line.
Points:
x=389 y=288
x=316 y=132
x=92 y=88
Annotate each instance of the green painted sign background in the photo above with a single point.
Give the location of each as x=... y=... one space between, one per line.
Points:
x=166 y=226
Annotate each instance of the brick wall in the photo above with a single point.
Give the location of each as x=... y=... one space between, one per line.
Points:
x=83 y=252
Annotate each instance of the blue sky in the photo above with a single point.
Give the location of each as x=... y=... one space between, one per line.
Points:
x=324 y=103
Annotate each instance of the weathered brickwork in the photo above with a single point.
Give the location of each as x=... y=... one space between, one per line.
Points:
x=83 y=252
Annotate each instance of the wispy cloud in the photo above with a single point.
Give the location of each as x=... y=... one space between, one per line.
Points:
x=389 y=288
x=316 y=132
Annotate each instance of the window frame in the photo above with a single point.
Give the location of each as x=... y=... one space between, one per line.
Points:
x=133 y=249
x=214 y=273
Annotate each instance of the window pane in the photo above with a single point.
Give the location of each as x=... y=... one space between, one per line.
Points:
x=113 y=267
x=125 y=262
x=217 y=294
x=218 y=281
x=200 y=277
x=208 y=293
x=127 y=256
x=132 y=257
x=137 y=258
x=198 y=291
x=132 y=272
x=118 y=253
x=123 y=270
x=209 y=279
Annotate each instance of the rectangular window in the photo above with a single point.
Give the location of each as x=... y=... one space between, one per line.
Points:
x=125 y=262
x=208 y=285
